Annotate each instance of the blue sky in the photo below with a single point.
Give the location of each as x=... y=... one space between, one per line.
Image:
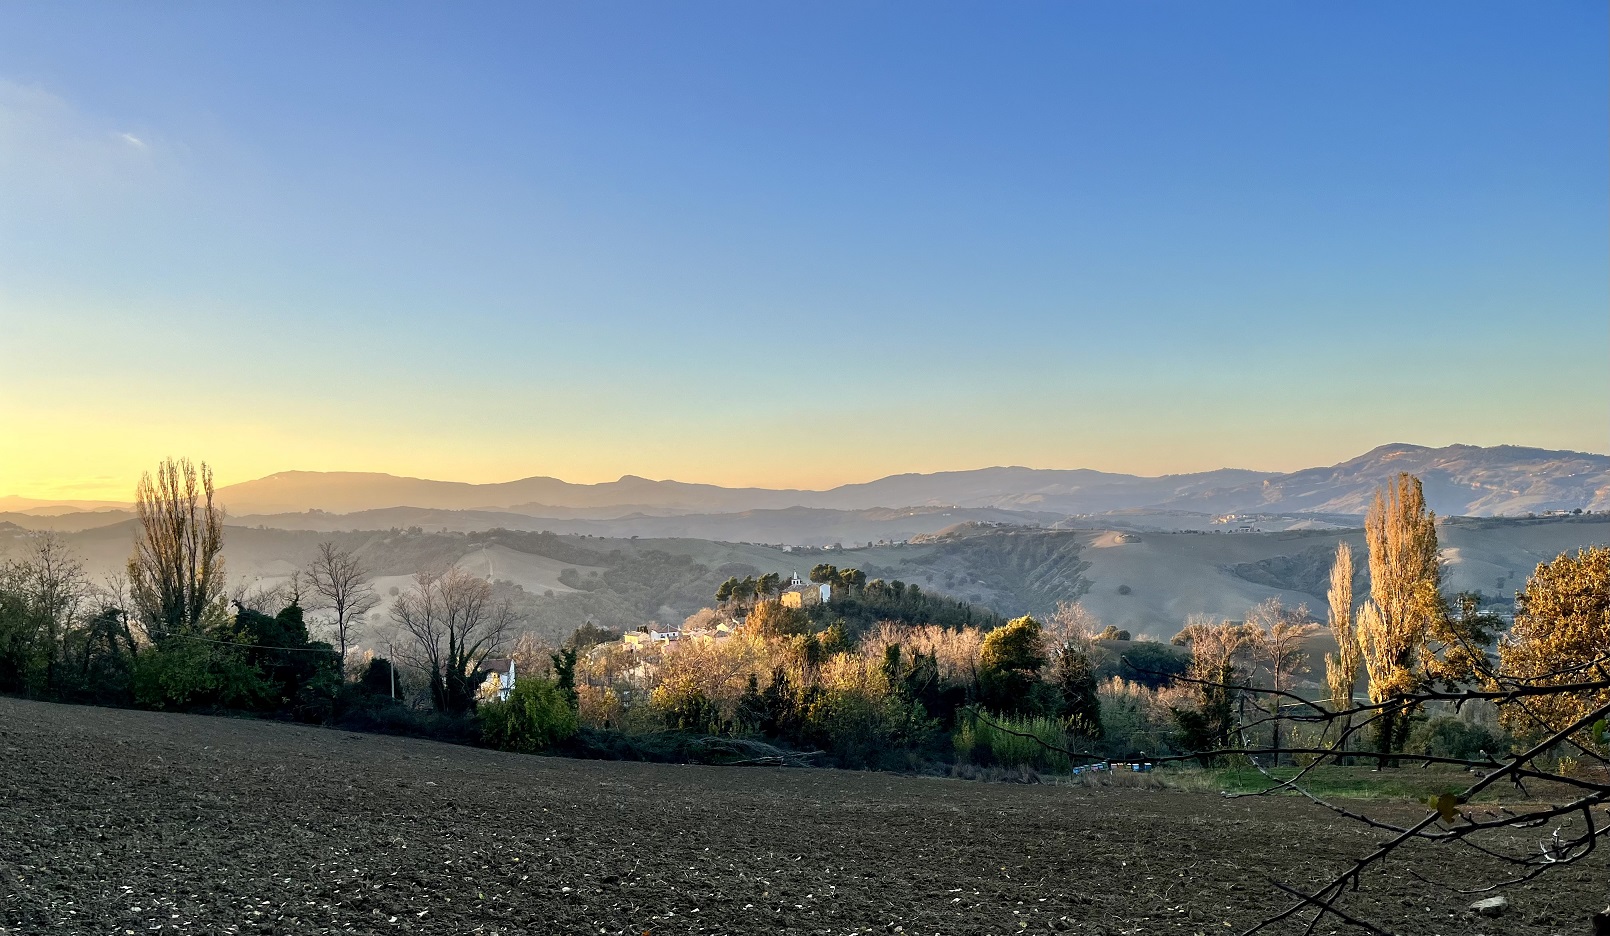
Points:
x=794 y=244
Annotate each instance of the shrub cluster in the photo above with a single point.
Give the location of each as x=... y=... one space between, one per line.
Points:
x=891 y=697
x=536 y=717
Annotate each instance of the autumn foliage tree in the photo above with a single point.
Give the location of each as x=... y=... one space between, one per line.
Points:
x=1214 y=675
x=1561 y=637
x=1551 y=688
x=1405 y=601
x=1342 y=667
x=1408 y=634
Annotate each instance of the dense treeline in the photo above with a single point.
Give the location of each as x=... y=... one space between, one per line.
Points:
x=855 y=605
x=859 y=610
x=164 y=635
x=900 y=695
x=63 y=638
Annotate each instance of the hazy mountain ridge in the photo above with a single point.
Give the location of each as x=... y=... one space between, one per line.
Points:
x=349 y=491
x=1459 y=479
x=37 y=506
x=67 y=520
x=1079 y=490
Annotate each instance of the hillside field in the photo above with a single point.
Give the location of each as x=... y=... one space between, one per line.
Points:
x=139 y=822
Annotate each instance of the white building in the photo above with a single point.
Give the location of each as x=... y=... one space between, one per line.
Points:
x=503 y=669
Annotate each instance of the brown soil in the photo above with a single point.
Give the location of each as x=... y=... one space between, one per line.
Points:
x=135 y=822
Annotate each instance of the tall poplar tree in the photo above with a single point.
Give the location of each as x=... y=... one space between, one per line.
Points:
x=1341 y=667
x=176 y=574
x=1405 y=603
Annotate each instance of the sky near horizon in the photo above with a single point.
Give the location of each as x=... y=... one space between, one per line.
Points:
x=794 y=245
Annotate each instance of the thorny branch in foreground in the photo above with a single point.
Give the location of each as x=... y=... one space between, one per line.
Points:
x=1450 y=819
x=1446 y=820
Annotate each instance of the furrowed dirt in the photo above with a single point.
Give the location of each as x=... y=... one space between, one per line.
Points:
x=125 y=822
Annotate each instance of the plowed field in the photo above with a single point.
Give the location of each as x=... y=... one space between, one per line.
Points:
x=133 y=822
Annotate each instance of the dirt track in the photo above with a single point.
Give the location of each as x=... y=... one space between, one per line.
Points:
x=135 y=822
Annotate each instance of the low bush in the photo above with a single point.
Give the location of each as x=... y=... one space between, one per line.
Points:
x=182 y=674
x=377 y=714
x=1448 y=736
x=535 y=718
x=1000 y=740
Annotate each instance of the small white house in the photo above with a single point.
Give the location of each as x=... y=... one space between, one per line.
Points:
x=503 y=669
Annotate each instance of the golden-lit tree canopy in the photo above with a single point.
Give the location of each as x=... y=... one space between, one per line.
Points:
x=1383 y=651
x=1405 y=571
x=1341 y=667
x=1561 y=636
x=1017 y=646
x=1215 y=647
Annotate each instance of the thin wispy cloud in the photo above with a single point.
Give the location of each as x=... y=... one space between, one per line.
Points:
x=51 y=147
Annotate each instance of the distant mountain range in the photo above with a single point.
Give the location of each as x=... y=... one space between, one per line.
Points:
x=1460 y=480
x=1063 y=491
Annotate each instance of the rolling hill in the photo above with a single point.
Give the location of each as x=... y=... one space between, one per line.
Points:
x=1146 y=582
x=805 y=526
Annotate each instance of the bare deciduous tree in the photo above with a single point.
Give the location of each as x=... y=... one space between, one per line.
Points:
x=1276 y=638
x=1071 y=624
x=176 y=574
x=1217 y=655
x=453 y=624
x=264 y=599
x=341 y=584
x=48 y=593
x=112 y=623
